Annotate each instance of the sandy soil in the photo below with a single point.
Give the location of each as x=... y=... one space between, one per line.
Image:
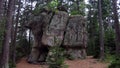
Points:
x=89 y=62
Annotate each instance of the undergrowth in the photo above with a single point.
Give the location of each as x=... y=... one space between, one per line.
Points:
x=56 y=58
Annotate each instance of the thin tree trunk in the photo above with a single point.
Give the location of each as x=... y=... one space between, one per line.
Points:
x=77 y=2
x=29 y=40
x=101 y=30
x=1 y=8
x=117 y=28
x=1 y=12
x=7 y=36
x=91 y=29
x=15 y=35
x=5 y=8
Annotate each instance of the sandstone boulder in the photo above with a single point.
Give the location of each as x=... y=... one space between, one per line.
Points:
x=75 y=34
x=75 y=38
x=37 y=26
x=56 y=29
x=54 y=32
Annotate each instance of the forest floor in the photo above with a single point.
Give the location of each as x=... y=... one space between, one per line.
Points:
x=89 y=62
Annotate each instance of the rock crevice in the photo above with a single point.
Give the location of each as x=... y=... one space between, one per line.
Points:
x=58 y=29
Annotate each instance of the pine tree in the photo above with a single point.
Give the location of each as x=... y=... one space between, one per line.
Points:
x=7 y=36
x=117 y=28
x=101 y=30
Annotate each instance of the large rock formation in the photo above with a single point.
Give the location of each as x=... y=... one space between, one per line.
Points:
x=58 y=29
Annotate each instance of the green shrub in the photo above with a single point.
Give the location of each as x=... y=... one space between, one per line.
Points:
x=56 y=58
x=70 y=57
x=11 y=65
x=22 y=48
x=109 y=57
x=116 y=63
x=110 y=41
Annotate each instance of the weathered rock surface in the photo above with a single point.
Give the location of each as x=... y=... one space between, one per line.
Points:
x=54 y=32
x=75 y=34
x=76 y=53
x=56 y=29
x=37 y=25
x=75 y=39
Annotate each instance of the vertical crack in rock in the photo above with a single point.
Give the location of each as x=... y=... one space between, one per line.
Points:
x=56 y=29
x=74 y=40
x=37 y=26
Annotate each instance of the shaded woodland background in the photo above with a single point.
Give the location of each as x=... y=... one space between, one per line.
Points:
x=103 y=27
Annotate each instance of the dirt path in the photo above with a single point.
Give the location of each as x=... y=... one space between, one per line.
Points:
x=87 y=63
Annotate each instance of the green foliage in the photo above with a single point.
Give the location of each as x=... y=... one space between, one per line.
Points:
x=93 y=46
x=78 y=9
x=82 y=7
x=74 y=12
x=70 y=57
x=115 y=63
x=109 y=58
x=50 y=6
x=56 y=58
x=36 y=11
x=109 y=45
x=2 y=30
x=110 y=49
x=23 y=48
x=53 y=5
x=110 y=41
x=93 y=30
x=106 y=8
x=11 y=65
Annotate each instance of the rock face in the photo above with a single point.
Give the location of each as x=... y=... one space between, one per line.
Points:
x=75 y=32
x=75 y=38
x=76 y=53
x=37 y=25
x=57 y=29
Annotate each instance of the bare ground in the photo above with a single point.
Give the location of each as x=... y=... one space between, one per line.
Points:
x=89 y=62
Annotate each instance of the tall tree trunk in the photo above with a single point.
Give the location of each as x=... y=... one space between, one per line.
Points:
x=5 y=8
x=5 y=52
x=29 y=40
x=1 y=12
x=91 y=30
x=101 y=31
x=117 y=28
x=77 y=2
x=1 y=8
x=15 y=34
